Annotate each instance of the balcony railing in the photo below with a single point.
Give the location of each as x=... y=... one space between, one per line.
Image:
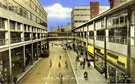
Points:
x=3 y=42
x=26 y=38
x=34 y=38
x=101 y=38
x=118 y=39
x=16 y=40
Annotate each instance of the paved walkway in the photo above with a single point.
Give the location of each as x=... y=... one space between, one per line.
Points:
x=41 y=73
x=94 y=77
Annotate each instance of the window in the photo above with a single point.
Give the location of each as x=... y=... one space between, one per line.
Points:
x=2 y=23
x=15 y=37
x=121 y=19
x=91 y=35
x=12 y=25
x=18 y=26
x=100 y=35
x=2 y=38
x=33 y=17
x=117 y=36
x=33 y=6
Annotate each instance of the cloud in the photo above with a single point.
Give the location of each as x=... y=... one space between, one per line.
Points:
x=58 y=11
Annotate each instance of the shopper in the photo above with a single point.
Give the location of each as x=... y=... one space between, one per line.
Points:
x=84 y=63
x=66 y=64
x=59 y=64
x=50 y=63
x=61 y=77
x=60 y=57
x=88 y=63
x=86 y=75
x=15 y=80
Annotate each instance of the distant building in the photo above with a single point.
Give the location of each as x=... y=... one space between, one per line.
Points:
x=62 y=28
x=82 y=14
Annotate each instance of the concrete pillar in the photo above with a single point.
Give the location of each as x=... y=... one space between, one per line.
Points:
x=10 y=60
x=94 y=41
x=24 y=58
x=7 y=33
x=22 y=34
x=32 y=53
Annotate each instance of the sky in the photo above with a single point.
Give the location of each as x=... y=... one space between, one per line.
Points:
x=59 y=11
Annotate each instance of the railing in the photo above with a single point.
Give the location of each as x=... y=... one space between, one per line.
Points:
x=3 y=42
x=27 y=38
x=101 y=38
x=34 y=37
x=91 y=37
x=118 y=39
x=16 y=40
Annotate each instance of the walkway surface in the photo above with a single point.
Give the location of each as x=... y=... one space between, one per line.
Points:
x=42 y=73
x=94 y=77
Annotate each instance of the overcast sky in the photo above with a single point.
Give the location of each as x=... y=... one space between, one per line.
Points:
x=59 y=11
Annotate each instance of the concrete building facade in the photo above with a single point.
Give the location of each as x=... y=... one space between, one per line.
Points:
x=82 y=14
x=23 y=37
x=109 y=39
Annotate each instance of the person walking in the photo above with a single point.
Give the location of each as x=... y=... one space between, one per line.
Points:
x=15 y=80
x=50 y=63
x=86 y=75
x=59 y=65
x=88 y=63
x=66 y=64
x=84 y=63
x=61 y=78
x=60 y=57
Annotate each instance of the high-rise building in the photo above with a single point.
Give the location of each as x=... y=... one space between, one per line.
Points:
x=82 y=14
x=23 y=37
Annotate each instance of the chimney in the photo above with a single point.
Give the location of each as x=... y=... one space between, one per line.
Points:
x=94 y=9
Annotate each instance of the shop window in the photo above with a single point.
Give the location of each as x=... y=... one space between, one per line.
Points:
x=112 y=74
x=17 y=61
x=99 y=63
x=4 y=67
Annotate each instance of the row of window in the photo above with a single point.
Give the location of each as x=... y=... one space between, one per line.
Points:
x=80 y=21
x=17 y=37
x=17 y=8
x=82 y=15
x=18 y=26
x=116 y=35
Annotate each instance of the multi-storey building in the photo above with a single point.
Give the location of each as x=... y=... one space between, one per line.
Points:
x=82 y=14
x=23 y=37
x=109 y=39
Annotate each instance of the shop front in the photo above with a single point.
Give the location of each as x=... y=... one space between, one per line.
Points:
x=35 y=53
x=4 y=68
x=28 y=55
x=99 y=61
x=17 y=59
x=117 y=68
x=116 y=75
